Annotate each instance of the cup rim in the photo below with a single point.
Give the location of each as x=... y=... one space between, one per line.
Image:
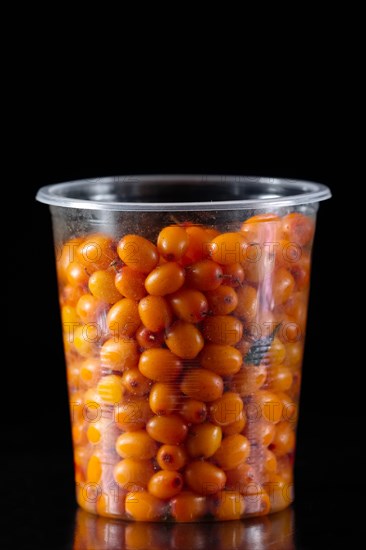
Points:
x=97 y=193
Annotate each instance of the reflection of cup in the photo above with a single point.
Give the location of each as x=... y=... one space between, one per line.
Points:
x=275 y=531
x=184 y=304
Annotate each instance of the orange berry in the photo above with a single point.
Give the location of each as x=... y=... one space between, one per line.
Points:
x=160 y=365
x=279 y=491
x=294 y=353
x=155 y=313
x=222 y=301
x=76 y=274
x=199 y=239
x=228 y=505
x=163 y=398
x=165 y=279
x=249 y=379
x=193 y=411
x=204 y=275
x=223 y=329
x=88 y=308
x=298 y=228
x=165 y=484
x=133 y=474
x=86 y=339
x=235 y=427
x=247 y=303
x=233 y=275
x=202 y=384
x=136 y=444
x=221 y=359
x=96 y=253
x=110 y=389
x=133 y=414
x=261 y=228
x=173 y=243
x=188 y=506
x=170 y=429
x=90 y=371
x=270 y=461
x=148 y=339
x=123 y=318
x=279 y=378
x=283 y=285
x=138 y=253
x=130 y=283
x=239 y=478
x=233 y=450
x=289 y=411
x=184 y=339
x=171 y=457
x=135 y=382
x=227 y=248
x=70 y=295
x=265 y=432
x=69 y=316
x=94 y=469
x=144 y=506
x=226 y=410
x=269 y=405
x=189 y=305
x=119 y=355
x=284 y=439
x=203 y=440
x=275 y=355
x=66 y=256
x=204 y=478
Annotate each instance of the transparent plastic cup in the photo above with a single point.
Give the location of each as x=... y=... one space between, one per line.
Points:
x=183 y=303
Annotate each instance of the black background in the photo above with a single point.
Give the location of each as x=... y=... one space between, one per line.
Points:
x=38 y=485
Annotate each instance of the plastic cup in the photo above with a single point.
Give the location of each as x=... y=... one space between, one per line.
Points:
x=183 y=303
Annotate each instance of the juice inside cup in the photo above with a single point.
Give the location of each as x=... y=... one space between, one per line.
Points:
x=183 y=304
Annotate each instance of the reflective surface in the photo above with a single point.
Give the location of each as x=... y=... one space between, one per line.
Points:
x=275 y=531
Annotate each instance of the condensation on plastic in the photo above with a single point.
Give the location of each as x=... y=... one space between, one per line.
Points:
x=276 y=284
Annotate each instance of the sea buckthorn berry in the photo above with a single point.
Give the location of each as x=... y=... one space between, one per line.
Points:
x=69 y=315
x=294 y=353
x=289 y=407
x=133 y=474
x=133 y=414
x=135 y=382
x=155 y=313
x=188 y=506
x=227 y=505
x=123 y=318
x=283 y=285
x=111 y=504
x=136 y=444
x=76 y=274
x=130 y=283
x=233 y=450
x=204 y=275
x=227 y=409
x=138 y=253
x=95 y=431
x=239 y=478
x=224 y=360
x=298 y=228
x=223 y=329
x=184 y=339
x=284 y=439
x=94 y=469
x=227 y=248
x=193 y=411
x=165 y=484
x=279 y=378
x=92 y=404
x=275 y=355
x=261 y=228
x=233 y=275
x=163 y=398
x=257 y=501
x=171 y=457
x=110 y=389
x=236 y=427
x=222 y=301
x=88 y=308
x=189 y=305
x=199 y=239
x=144 y=506
x=148 y=339
x=270 y=461
x=66 y=256
x=204 y=478
x=165 y=279
x=101 y=285
x=96 y=253
x=203 y=440
x=73 y=374
x=119 y=355
x=86 y=339
x=171 y=429
x=279 y=491
x=202 y=384
x=285 y=468
x=90 y=371
x=249 y=379
x=70 y=295
x=173 y=242
x=301 y=272
x=160 y=365
x=264 y=431
x=247 y=305
x=270 y=406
